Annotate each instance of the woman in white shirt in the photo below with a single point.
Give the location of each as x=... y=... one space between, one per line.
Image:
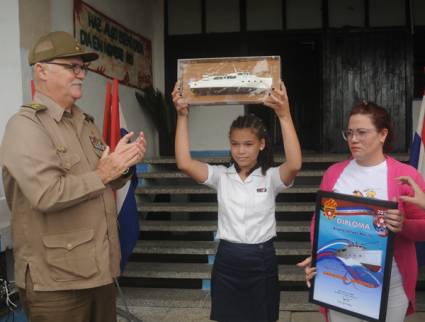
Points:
x=244 y=281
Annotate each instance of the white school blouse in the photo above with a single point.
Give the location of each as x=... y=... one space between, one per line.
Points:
x=246 y=209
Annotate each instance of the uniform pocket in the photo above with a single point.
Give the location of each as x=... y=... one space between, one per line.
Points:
x=69 y=160
x=71 y=255
x=263 y=202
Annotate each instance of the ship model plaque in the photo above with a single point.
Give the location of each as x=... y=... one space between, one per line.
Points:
x=352 y=253
x=230 y=80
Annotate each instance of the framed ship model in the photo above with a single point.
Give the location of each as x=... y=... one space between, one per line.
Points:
x=230 y=80
x=352 y=253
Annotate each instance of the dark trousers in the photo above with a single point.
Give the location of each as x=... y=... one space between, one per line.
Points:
x=88 y=305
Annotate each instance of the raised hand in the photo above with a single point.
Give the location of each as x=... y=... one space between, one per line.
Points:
x=180 y=104
x=277 y=100
x=418 y=198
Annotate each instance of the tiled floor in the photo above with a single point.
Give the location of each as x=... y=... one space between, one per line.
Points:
x=152 y=314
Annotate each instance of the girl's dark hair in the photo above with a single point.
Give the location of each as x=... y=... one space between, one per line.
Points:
x=381 y=119
x=265 y=156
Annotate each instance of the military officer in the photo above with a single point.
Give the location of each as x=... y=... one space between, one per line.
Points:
x=59 y=179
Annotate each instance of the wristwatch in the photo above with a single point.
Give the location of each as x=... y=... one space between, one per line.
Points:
x=127 y=173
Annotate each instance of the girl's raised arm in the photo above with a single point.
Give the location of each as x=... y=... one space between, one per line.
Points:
x=278 y=101
x=193 y=168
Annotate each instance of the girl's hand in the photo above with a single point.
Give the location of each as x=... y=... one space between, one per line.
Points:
x=180 y=104
x=418 y=198
x=277 y=100
x=310 y=272
x=394 y=220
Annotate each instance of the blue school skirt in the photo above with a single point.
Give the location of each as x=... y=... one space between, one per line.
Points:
x=244 y=283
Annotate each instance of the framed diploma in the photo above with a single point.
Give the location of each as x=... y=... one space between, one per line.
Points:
x=352 y=253
x=228 y=80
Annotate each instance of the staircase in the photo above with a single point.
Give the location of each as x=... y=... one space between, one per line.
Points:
x=171 y=264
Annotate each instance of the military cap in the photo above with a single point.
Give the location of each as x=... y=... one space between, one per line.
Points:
x=58 y=44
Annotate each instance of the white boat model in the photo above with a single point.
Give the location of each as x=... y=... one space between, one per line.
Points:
x=232 y=83
x=358 y=255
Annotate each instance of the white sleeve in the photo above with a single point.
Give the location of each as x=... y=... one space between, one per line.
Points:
x=276 y=182
x=214 y=172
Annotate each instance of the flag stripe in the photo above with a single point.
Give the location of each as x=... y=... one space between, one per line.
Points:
x=415 y=150
x=417 y=154
x=32 y=89
x=115 y=117
x=107 y=115
x=128 y=216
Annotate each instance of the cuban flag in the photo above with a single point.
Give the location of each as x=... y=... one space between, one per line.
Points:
x=417 y=159
x=32 y=88
x=114 y=127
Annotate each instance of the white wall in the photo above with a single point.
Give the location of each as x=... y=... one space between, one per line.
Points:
x=10 y=89
x=10 y=79
x=144 y=17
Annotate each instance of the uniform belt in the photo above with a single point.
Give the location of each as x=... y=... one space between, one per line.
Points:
x=259 y=245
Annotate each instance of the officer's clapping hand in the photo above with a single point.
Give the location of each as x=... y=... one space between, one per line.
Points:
x=113 y=164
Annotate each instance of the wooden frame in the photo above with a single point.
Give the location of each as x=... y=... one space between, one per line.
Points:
x=231 y=80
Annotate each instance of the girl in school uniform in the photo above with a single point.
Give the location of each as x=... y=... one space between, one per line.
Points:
x=244 y=281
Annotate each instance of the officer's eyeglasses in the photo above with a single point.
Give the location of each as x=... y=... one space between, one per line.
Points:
x=360 y=134
x=76 y=68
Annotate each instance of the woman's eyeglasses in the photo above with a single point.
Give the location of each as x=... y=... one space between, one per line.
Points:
x=360 y=134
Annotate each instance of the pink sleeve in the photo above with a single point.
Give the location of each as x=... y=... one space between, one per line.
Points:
x=325 y=185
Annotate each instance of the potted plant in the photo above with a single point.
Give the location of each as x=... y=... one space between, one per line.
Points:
x=163 y=115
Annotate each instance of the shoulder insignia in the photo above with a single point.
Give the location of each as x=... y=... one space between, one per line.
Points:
x=35 y=106
x=97 y=144
x=88 y=117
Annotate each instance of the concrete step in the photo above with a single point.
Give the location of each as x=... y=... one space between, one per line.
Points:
x=196 y=271
x=173 y=305
x=208 y=225
x=287 y=273
x=181 y=175
x=201 y=189
x=307 y=158
x=177 y=247
x=196 y=298
x=153 y=314
x=212 y=207
x=190 y=298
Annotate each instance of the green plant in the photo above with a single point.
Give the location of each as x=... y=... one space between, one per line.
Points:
x=163 y=115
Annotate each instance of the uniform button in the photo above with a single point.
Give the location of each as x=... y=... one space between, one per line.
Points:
x=261 y=246
x=69 y=246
